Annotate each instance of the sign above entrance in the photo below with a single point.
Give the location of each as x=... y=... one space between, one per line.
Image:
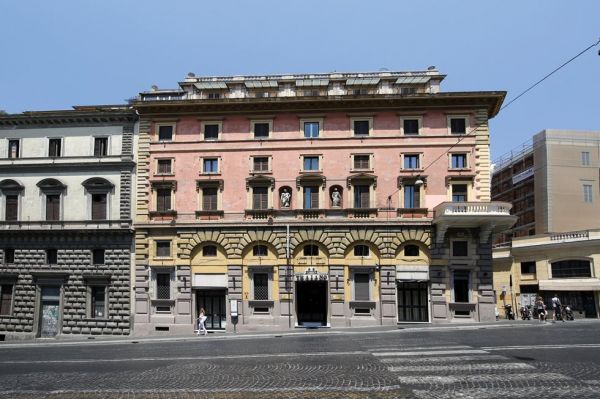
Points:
x=311 y=274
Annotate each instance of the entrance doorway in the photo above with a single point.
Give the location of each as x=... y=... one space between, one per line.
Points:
x=413 y=303
x=49 y=311
x=213 y=302
x=311 y=302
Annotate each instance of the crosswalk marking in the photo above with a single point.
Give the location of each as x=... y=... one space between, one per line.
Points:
x=443 y=359
x=417 y=348
x=462 y=367
x=486 y=378
x=430 y=353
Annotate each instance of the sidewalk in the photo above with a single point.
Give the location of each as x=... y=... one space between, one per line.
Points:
x=107 y=339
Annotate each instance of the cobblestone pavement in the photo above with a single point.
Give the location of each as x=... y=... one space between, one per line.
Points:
x=525 y=362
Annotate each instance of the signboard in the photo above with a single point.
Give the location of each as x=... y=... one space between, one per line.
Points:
x=234 y=307
x=311 y=274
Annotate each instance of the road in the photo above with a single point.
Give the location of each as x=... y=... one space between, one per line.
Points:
x=511 y=361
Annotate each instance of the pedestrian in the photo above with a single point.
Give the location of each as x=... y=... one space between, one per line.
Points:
x=541 y=308
x=557 y=307
x=201 y=320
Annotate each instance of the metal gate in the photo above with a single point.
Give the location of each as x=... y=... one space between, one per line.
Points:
x=413 y=302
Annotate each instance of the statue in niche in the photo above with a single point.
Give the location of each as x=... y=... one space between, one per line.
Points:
x=286 y=196
x=336 y=198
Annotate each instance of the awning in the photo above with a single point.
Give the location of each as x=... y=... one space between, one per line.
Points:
x=211 y=86
x=570 y=284
x=210 y=281
x=412 y=80
x=312 y=82
x=362 y=82
x=254 y=84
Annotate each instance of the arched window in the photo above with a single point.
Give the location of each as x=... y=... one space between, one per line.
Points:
x=361 y=250
x=571 y=268
x=53 y=190
x=259 y=250
x=209 y=250
x=98 y=189
x=311 y=250
x=411 y=250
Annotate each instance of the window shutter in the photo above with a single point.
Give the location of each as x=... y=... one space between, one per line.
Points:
x=52 y=207
x=12 y=207
x=364 y=197
x=5 y=298
x=361 y=286
x=98 y=206
x=314 y=198
x=209 y=199
x=417 y=197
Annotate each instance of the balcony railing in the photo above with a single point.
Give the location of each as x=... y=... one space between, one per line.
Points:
x=572 y=235
x=472 y=208
x=64 y=224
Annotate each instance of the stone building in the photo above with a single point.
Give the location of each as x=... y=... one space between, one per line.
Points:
x=553 y=184
x=66 y=235
x=327 y=200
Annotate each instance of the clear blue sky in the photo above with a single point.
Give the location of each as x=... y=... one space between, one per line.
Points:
x=55 y=54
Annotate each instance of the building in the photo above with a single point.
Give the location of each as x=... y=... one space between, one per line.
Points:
x=553 y=248
x=337 y=199
x=66 y=234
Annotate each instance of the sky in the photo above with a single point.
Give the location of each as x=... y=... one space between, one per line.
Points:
x=56 y=54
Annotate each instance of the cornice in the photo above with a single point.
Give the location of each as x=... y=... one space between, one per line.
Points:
x=78 y=117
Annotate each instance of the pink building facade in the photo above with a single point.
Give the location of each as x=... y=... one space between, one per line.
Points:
x=326 y=200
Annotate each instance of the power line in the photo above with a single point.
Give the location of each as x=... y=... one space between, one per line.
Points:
x=504 y=107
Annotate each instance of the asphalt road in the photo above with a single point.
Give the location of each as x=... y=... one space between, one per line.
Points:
x=512 y=361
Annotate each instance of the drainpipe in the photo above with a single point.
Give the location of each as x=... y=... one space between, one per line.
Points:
x=288 y=274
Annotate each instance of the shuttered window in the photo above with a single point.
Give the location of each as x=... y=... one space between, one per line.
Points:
x=54 y=147
x=261 y=286
x=98 y=206
x=260 y=164
x=164 y=166
x=361 y=286
x=361 y=161
x=361 y=196
x=100 y=146
x=209 y=199
x=311 y=197
x=412 y=196
x=13 y=148
x=52 y=207
x=163 y=199
x=260 y=199
x=12 y=207
x=6 y=293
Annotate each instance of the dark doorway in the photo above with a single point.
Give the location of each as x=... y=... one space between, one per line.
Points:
x=213 y=302
x=413 y=304
x=311 y=297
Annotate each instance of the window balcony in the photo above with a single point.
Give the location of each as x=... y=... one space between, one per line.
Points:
x=490 y=217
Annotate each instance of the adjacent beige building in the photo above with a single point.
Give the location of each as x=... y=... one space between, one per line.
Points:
x=554 y=248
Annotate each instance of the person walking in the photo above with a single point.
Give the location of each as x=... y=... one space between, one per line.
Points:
x=201 y=320
x=557 y=307
x=541 y=308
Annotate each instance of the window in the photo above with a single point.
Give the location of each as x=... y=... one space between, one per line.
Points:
x=209 y=199
x=98 y=301
x=260 y=164
x=164 y=166
x=311 y=197
x=52 y=206
x=361 y=127
x=51 y=256
x=12 y=207
x=585 y=158
x=527 y=267
x=461 y=286
x=311 y=163
x=361 y=287
x=458 y=125
x=412 y=196
x=459 y=193
x=209 y=250
x=214 y=95
x=411 y=161
x=163 y=199
x=163 y=249
x=458 y=161
x=260 y=198
x=261 y=286
x=311 y=130
x=99 y=206
x=163 y=285
x=6 y=294
x=311 y=250
x=210 y=165
x=9 y=255
x=406 y=91
x=572 y=268
x=13 y=148
x=362 y=162
x=100 y=146
x=259 y=250
x=98 y=256
x=460 y=248
x=54 y=147
x=361 y=250
x=587 y=193
x=361 y=196
x=410 y=126
x=165 y=132
x=211 y=131
x=411 y=250
x=261 y=130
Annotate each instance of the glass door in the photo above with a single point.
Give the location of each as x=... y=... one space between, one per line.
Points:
x=50 y=307
x=413 y=303
x=213 y=302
